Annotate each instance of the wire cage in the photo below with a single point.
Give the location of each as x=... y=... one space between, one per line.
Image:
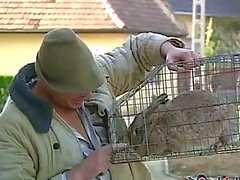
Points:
x=176 y=114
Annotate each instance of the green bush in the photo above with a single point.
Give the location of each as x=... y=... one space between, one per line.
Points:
x=4 y=83
x=222 y=37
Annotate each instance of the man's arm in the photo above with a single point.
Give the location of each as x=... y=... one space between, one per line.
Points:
x=15 y=163
x=128 y=65
x=15 y=160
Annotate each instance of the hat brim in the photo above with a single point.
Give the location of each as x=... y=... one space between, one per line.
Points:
x=93 y=79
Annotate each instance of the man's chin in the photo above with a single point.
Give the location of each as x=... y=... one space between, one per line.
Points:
x=76 y=105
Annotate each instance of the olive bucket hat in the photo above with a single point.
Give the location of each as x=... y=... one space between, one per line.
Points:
x=66 y=64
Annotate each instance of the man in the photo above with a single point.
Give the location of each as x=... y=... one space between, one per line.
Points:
x=54 y=125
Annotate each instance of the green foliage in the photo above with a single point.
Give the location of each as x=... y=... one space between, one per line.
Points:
x=222 y=37
x=209 y=43
x=4 y=83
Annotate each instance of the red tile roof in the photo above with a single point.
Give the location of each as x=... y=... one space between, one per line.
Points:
x=86 y=15
x=143 y=15
x=29 y=15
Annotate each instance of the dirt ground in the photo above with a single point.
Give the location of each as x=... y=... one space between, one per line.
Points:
x=215 y=165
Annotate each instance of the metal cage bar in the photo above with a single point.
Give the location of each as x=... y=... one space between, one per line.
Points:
x=174 y=115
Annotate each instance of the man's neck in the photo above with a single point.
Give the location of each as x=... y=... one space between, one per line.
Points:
x=64 y=111
x=39 y=90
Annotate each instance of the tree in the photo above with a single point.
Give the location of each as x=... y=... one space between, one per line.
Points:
x=222 y=37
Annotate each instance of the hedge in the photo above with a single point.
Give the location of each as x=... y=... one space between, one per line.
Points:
x=4 y=83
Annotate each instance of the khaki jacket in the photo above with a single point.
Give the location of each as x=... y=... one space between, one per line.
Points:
x=37 y=144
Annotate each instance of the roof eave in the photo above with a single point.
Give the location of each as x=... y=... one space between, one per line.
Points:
x=75 y=29
x=115 y=30
x=207 y=14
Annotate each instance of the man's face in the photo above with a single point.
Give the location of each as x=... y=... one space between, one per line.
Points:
x=68 y=101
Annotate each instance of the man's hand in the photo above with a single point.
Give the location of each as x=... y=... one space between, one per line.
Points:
x=179 y=59
x=97 y=163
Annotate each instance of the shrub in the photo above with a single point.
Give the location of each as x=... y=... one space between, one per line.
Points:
x=4 y=83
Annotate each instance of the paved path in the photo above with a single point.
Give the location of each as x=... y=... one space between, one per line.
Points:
x=157 y=169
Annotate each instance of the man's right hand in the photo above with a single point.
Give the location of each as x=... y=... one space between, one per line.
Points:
x=98 y=162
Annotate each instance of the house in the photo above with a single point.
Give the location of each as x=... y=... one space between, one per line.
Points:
x=214 y=8
x=223 y=13
x=102 y=24
x=222 y=27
